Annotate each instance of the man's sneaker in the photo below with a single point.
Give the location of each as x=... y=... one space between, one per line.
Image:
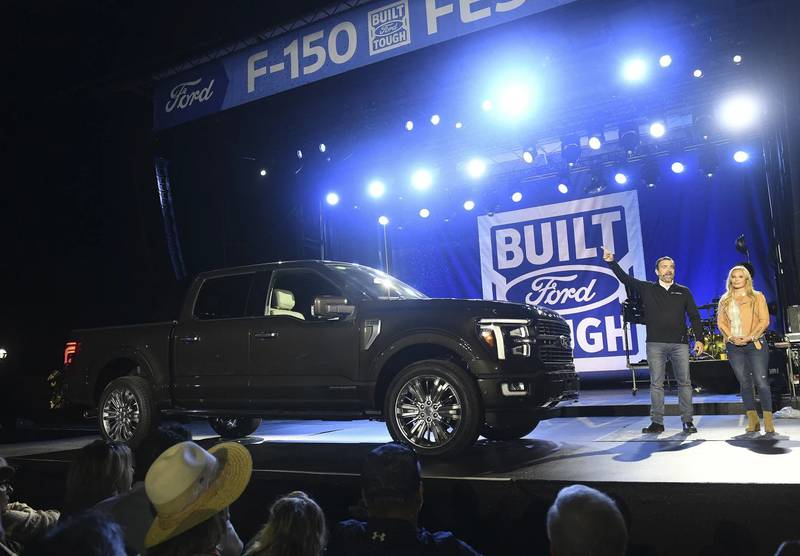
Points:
x=654 y=428
x=689 y=428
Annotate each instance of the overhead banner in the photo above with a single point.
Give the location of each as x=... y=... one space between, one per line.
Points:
x=361 y=36
x=552 y=256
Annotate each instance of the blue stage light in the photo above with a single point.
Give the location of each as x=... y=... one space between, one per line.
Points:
x=421 y=179
x=424 y=213
x=322 y=147
x=737 y=59
x=741 y=156
x=263 y=172
x=634 y=70
x=332 y=198
x=620 y=178
x=563 y=188
x=459 y=125
x=409 y=125
x=677 y=167
x=299 y=153
x=476 y=168
x=657 y=129
x=665 y=61
x=435 y=119
x=516 y=197
x=698 y=73
x=383 y=221
x=469 y=205
x=527 y=156
x=595 y=143
x=515 y=100
x=376 y=188
x=487 y=105
x=738 y=113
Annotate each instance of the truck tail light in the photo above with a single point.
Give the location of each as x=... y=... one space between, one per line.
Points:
x=70 y=351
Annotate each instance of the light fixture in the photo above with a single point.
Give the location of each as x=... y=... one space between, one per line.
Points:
x=657 y=129
x=476 y=168
x=665 y=61
x=737 y=59
x=563 y=181
x=421 y=179
x=424 y=213
x=597 y=183
x=459 y=125
x=332 y=198
x=677 y=167
x=741 y=156
x=570 y=149
x=487 y=105
x=383 y=221
x=651 y=173
x=703 y=126
x=629 y=137
x=634 y=70
x=299 y=153
x=708 y=160
x=263 y=172
x=435 y=119
x=376 y=189
x=621 y=178
x=527 y=156
x=516 y=196
x=469 y=205
x=698 y=73
x=409 y=125
x=322 y=147
x=738 y=113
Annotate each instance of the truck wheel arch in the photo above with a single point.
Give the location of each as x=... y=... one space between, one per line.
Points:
x=121 y=365
x=413 y=348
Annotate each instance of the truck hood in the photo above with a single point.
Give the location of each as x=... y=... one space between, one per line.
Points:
x=479 y=308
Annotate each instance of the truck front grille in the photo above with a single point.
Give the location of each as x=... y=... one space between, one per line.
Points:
x=550 y=335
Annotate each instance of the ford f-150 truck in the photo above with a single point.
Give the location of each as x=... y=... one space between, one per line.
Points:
x=327 y=340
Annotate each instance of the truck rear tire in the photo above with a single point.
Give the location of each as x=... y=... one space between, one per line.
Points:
x=127 y=412
x=508 y=433
x=234 y=427
x=434 y=406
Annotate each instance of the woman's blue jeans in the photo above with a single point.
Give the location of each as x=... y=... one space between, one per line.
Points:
x=750 y=367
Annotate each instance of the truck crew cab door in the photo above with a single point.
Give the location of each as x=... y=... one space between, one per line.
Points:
x=298 y=360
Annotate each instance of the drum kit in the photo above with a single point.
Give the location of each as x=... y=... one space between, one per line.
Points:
x=712 y=338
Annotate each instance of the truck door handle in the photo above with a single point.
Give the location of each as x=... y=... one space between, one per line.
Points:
x=263 y=335
x=189 y=339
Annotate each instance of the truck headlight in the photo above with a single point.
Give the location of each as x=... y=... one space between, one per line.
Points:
x=498 y=334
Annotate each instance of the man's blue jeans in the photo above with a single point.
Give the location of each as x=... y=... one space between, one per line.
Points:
x=658 y=353
x=750 y=366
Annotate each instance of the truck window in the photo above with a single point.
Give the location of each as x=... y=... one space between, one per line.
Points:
x=223 y=298
x=302 y=285
x=257 y=305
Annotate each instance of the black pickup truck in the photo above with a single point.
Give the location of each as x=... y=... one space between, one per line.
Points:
x=327 y=340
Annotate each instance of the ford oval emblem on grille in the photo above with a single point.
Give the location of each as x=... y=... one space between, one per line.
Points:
x=564 y=342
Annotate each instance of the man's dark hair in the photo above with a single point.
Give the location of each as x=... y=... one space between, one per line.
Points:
x=88 y=533
x=391 y=474
x=155 y=443
x=658 y=261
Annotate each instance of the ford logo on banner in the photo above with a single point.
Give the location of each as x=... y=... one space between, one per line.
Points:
x=191 y=95
x=551 y=256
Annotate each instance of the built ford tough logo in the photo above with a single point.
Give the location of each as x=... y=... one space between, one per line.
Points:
x=389 y=27
x=552 y=257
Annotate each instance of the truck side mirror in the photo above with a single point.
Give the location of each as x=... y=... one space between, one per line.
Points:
x=330 y=306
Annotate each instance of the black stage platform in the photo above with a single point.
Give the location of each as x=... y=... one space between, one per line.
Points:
x=717 y=491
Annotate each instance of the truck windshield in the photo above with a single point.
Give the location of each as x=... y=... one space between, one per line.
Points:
x=375 y=283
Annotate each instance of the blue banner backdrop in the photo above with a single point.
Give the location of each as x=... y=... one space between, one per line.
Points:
x=361 y=36
x=550 y=252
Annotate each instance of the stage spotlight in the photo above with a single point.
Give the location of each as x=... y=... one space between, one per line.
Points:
x=629 y=137
x=459 y=125
x=376 y=189
x=332 y=198
x=563 y=188
x=570 y=149
x=435 y=119
x=299 y=153
x=657 y=129
x=515 y=100
x=741 y=156
x=476 y=168
x=421 y=179
x=738 y=113
x=383 y=221
x=487 y=105
x=322 y=147
x=409 y=125
x=516 y=197
x=563 y=181
x=677 y=167
x=597 y=183
x=527 y=156
x=708 y=160
x=469 y=205
x=424 y=213
x=737 y=59
x=595 y=143
x=263 y=172
x=704 y=126
x=698 y=73
x=665 y=61
x=651 y=173
x=621 y=178
x=634 y=70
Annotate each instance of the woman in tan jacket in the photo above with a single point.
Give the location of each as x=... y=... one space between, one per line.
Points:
x=742 y=317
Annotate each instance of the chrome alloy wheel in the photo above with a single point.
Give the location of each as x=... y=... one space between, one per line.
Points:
x=121 y=415
x=428 y=411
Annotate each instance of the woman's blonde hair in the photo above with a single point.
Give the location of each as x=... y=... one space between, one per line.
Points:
x=296 y=527
x=748 y=286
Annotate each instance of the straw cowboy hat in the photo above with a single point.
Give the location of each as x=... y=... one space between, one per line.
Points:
x=188 y=485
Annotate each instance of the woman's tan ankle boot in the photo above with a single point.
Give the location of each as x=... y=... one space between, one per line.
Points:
x=752 y=421
x=769 y=426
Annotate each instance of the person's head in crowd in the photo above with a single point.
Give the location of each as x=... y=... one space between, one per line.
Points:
x=101 y=469
x=191 y=490
x=87 y=534
x=6 y=474
x=295 y=527
x=584 y=521
x=154 y=444
x=391 y=483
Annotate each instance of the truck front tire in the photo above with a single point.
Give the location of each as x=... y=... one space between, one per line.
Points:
x=234 y=427
x=434 y=406
x=127 y=412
